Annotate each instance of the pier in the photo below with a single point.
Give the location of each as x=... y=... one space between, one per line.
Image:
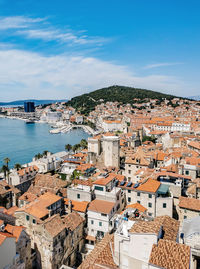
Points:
x=67 y=128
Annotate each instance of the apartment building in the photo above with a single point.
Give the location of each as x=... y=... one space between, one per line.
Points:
x=151 y=194
x=100 y=214
x=22 y=178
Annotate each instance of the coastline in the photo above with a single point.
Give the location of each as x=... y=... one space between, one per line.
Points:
x=20 y=141
x=59 y=127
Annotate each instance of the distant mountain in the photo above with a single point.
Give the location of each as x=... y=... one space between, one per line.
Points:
x=87 y=102
x=197 y=97
x=37 y=102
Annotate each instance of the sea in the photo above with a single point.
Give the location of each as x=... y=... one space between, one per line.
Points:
x=20 y=141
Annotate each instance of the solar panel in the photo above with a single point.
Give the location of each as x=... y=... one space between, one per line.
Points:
x=129 y=184
x=122 y=183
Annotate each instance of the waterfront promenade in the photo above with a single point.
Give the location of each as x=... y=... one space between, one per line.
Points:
x=68 y=127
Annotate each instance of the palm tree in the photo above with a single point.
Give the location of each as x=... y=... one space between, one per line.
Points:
x=75 y=147
x=83 y=143
x=68 y=147
x=4 y=170
x=17 y=166
x=6 y=161
x=38 y=156
x=45 y=152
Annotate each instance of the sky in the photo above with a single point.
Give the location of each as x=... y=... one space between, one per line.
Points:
x=59 y=49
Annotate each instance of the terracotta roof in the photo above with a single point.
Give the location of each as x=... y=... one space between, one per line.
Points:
x=56 y=224
x=3 y=237
x=104 y=181
x=194 y=144
x=101 y=206
x=84 y=167
x=73 y=220
x=150 y=185
x=38 y=208
x=78 y=206
x=169 y=225
x=12 y=210
x=150 y=227
x=189 y=203
x=14 y=230
x=101 y=256
x=138 y=206
x=170 y=255
x=87 y=182
x=28 y=196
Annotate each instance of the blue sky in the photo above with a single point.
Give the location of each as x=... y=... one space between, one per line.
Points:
x=59 y=49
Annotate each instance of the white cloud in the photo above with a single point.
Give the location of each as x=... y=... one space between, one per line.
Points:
x=31 y=75
x=40 y=28
x=16 y=22
x=150 y=66
x=64 y=37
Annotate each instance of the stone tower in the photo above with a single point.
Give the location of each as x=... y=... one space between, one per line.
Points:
x=111 y=151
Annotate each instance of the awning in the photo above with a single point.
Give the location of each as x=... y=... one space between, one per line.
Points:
x=90 y=238
x=163 y=189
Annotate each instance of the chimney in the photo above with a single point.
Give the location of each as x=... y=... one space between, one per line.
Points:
x=70 y=206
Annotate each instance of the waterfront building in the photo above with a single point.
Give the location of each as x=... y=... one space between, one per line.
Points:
x=29 y=107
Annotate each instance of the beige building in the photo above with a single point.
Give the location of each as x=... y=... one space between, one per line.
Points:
x=55 y=239
x=8 y=194
x=188 y=208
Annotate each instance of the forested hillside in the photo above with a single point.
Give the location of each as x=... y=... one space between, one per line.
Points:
x=87 y=102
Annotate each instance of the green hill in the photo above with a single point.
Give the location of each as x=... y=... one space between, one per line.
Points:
x=125 y=95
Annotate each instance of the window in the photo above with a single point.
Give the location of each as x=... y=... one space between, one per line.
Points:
x=185 y=217
x=129 y=171
x=98 y=188
x=187 y=172
x=149 y=204
x=34 y=221
x=92 y=222
x=164 y=205
x=129 y=199
x=27 y=217
x=129 y=178
x=150 y=195
x=102 y=214
x=185 y=210
x=129 y=191
x=78 y=196
x=100 y=223
x=138 y=194
x=150 y=214
x=138 y=202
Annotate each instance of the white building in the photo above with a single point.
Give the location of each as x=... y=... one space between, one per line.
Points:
x=9 y=259
x=112 y=125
